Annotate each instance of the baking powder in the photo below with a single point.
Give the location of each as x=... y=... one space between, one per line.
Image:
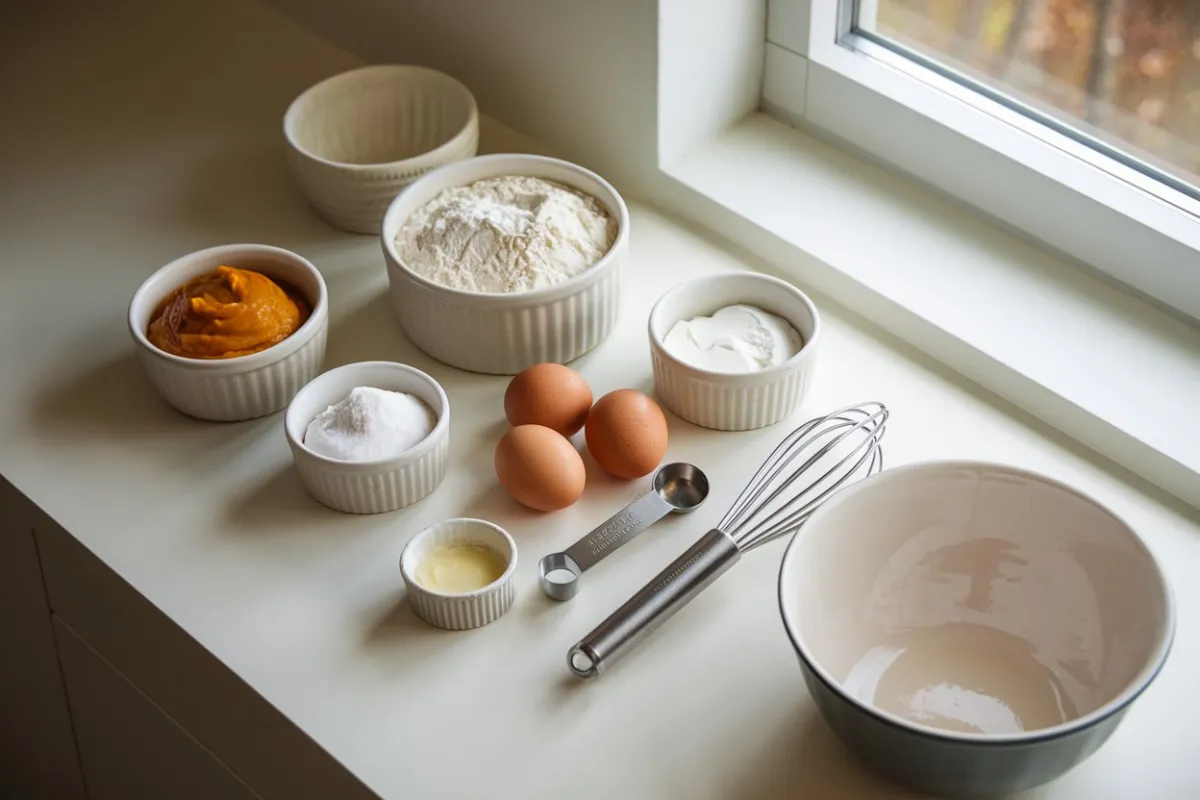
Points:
x=370 y=424
x=509 y=234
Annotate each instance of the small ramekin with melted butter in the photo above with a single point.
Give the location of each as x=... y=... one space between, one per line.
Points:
x=458 y=573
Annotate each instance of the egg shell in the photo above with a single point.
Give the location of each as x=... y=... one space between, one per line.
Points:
x=551 y=395
x=539 y=468
x=627 y=433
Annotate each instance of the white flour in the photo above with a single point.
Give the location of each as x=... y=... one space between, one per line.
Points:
x=509 y=234
x=370 y=424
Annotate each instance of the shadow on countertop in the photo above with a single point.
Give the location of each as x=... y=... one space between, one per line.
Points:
x=397 y=621
x=112 y=407
x=239 y=189
x=112 y=398
x=279 y=505
x=371 y=333
x=109 y=408
x=803 y=758
x=395 y=638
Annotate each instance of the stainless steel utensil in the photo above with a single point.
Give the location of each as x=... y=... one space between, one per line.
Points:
x=676 y=488
x=810 y=464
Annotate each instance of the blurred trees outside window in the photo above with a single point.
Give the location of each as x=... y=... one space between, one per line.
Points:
x=1125 y=70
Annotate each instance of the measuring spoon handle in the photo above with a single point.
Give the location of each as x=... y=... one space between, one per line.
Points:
x=619 y=529
x=654 y=604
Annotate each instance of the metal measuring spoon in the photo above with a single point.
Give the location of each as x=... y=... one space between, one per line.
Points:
x=677 y=488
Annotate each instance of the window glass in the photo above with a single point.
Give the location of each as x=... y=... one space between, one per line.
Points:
x=1124 y=74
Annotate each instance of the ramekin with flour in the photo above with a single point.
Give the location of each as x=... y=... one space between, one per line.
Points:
x=502 y=333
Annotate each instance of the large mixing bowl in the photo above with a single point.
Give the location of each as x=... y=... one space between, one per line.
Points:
x=973 y=629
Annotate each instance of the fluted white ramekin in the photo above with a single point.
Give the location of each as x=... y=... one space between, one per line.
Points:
x=356 y=139
x=503 y=333
x=458 y=612
x=245 y=387
x=724 y=401
x=369 y=487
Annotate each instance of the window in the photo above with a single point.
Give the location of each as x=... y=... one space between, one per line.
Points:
x=1075 y=121
x=1121 y=75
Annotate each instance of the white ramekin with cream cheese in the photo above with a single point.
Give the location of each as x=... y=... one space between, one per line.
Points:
x=727 y=400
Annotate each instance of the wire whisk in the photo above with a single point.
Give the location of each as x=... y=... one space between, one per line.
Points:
x=835 y=449
x=811 y=463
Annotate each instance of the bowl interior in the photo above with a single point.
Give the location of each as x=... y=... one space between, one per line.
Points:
x=379 y=115
x=458 y=531
x=975 y=599
x=333 y=386
x=276 y=263
x=704 y=296
x=465 y=172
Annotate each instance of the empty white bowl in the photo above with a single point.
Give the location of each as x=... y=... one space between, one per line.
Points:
x=369 y=487
x=970 y=628
x=724 y=401
x=243 y=387
x=356 y=139
x=466 y=610
x=502 y=334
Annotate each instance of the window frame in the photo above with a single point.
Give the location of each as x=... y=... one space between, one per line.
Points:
x=1109 y=216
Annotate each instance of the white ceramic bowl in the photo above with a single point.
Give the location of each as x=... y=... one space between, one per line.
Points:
x=970 y=628
x=356 y=139
x=244 y=387
x=369 y=487
x=733 y=402
x=458 y=612
x=502 y=334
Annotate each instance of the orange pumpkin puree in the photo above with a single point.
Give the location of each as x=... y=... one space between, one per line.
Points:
x=226 y=313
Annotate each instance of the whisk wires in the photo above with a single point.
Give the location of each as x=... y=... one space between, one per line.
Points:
x=811 y=463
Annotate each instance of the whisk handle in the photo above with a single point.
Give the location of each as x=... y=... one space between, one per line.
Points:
x=666 y=593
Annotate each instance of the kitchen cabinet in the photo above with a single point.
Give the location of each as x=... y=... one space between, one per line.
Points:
x=37 y=752
x=128 y=747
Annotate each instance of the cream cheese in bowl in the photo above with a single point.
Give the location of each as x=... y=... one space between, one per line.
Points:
x=735 y=339
x=733 y=351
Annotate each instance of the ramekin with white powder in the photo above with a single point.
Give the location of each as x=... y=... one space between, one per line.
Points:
x=513 y=233
x=370 y=424
x=361 y=440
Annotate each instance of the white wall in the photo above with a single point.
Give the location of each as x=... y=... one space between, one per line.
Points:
x=581 y=76
x=710 y=70
x=577 y=75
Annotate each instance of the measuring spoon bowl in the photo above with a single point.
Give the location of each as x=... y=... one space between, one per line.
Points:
x=676 y=488
x=682 y=486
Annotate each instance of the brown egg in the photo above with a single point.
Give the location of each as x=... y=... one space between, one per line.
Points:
x=550 y=395
x=627 y=433
x=539 y=468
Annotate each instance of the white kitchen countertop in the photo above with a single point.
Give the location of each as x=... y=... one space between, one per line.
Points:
x=136 y=135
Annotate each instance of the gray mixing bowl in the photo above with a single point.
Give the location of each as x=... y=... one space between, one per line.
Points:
x=972 y=629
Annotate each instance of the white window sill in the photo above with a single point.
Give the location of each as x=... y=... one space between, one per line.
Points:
x=1108 y=369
